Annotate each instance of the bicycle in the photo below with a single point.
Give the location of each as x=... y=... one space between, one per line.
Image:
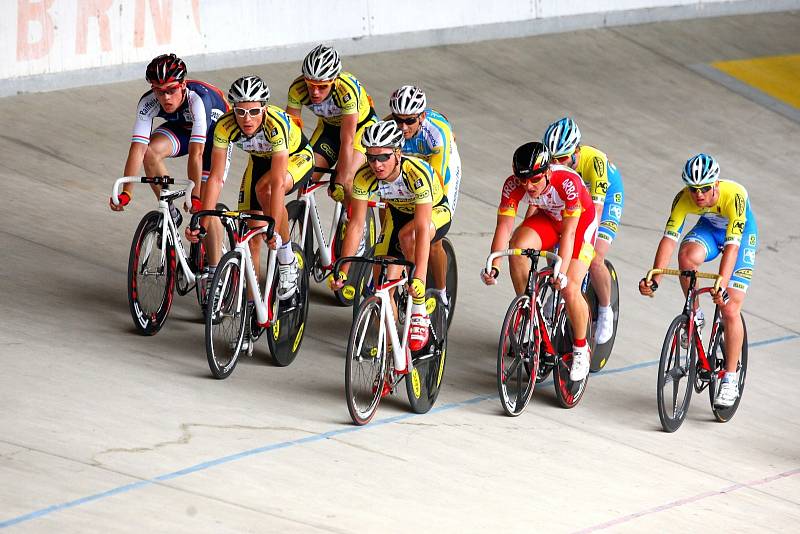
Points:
x=229 y=316
x=158 y=263
x=702 y=368
x=305 y=229
x=536 y=340
x=601 y=353
x=371 y=364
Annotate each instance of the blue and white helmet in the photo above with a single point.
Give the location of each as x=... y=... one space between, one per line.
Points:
x=407 y=100
x=701 y=169
x=562 y=137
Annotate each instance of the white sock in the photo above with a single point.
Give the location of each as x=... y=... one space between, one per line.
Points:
x=443 y=296
x=731 y=377
x=603 y=310
x=285 y=255
x=699 y=316
x=418 y=309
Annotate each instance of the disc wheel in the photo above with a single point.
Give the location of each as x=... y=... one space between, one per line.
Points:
x=724 y=415
x=517 y=357
x=366 y=363
x=601 y=353
x=676 y=374
x=226 y=315
x=451 y=280
x=289 y=316
x=151 y=275
x=424 y=381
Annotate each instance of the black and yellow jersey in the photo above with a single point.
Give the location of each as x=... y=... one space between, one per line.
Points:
x=347 y=97
x=416 y=184
x=278 y=133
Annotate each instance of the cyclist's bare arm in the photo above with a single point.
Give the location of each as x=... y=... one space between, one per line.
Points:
x=212 y=188
x=422 y=238
x=132 y=165
x=663 y=254
x=347 y=134
x=502 y=234
x=194 y=167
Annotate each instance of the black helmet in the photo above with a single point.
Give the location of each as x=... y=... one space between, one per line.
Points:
x=530 y=159
x=164 y=69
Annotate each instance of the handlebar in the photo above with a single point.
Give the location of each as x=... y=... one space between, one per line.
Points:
x=153 y=180
x=530 y=252
x=194 y=224
x=690 y=274
x=325 y=170
x=383 y=261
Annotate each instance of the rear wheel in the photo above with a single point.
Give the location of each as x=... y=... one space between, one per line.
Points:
x=151 y=275
x=568 y=392
x=304 y=239
x=451 y=281
x=346 y=296
x=725 y=414
x=517 y=358
x=601 y=353
x=366 y=363
x=676 y=372
x=226 y=315
x=286 y=333
x=424 y=382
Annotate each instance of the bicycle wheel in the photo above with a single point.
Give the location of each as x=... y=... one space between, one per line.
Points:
x=517 y=358
x=151 y=275
x=366 y=363
x=347 y=297
x=226 y=315
x=288 y=325
x=451 y=280
x=199 y=258
x=724 y=415
x=676 y=372
x=424 y=382
x=568 y=392
x=601 y=353
x=296 y=210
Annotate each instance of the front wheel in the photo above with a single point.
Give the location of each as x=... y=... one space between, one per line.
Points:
x=517 y=357
x=346 y=296
x=724 y=415
x=151 y=275
x=424 y=381
x=568 y=392
x=676 y=372
x=289 y=316
x=366 y=363
x=226 y=315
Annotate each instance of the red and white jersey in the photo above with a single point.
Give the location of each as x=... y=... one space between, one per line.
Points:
x=565 y=195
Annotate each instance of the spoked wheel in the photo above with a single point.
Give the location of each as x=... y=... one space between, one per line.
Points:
x=286 y=333
x=346 y=296
x=725 y=414
x=424 y=382
x=151 y=275
x=676 y=375
x=199 y=258
x=601 y=353
x=226 y=315
x=568 y=392
x=451 y=280
x=367 y=362
x=517 y=357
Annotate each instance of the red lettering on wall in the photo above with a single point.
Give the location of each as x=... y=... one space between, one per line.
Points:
x=162 y=21
x=34 y=12
x=99 y=10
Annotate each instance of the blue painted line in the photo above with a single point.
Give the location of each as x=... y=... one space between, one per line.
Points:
x=305 y=440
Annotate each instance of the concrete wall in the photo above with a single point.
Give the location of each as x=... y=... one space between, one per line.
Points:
x=47 y=44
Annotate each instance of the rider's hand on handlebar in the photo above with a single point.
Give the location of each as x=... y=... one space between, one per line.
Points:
x=123 y=199
x=560 y=281
x=720 y=297
x=490 y=277
x=335 y=283
x=647 y=288
x=195 y=235
x=336 y=191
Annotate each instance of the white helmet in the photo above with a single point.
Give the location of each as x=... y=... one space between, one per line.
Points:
x=248 y=89
x=383 y=134
x=562 y=137
x=322 y=64
x=701 y=169
x=408 y=100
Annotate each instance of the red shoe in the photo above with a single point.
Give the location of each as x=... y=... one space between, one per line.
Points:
x=418 y=332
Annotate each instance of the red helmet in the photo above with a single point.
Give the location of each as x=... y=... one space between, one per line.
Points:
x=164 y=69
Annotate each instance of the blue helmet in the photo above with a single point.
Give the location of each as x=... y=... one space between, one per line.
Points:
x=701 y=169
x=562 y=137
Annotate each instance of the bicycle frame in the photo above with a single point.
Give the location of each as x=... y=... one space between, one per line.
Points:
x=307 y=196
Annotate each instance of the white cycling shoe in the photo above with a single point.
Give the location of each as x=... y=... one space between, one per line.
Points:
x=581 y=358
x=727 y=394
x=605 y=327
x=287 y=280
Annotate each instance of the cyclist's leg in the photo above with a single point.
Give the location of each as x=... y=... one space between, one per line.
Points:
x=439 y=226
x=166 y=141
x=358 y=157
x=215 y=234
x=737 y=289
x=700 y=245
x=606 y=232
x=535 y=232
x=248 y=202
x=582 y=254
x=325 y=145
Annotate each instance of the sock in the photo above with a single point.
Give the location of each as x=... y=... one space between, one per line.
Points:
x=731 y=377
x=578 y=343
x=443 y=296
x=603 y=310
x=699 y=316
x=418 y=309
x=285 y=255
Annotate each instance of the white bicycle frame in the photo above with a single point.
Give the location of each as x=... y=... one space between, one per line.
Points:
x=167 y=224
x=401 y=364
x=308 y=198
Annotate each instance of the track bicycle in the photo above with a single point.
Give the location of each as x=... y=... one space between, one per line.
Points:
x=378 y=340
x=158 y=263
x=686 y=365
x=601 y=353
x=536 y=338
x=239 y=311
x=305 y=229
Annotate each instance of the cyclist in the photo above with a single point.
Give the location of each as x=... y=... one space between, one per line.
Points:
x=726 y=225
x=191 y=109
x=427 y=134
x=344 y=109
x=417 y=218
x=563 y=139
x=560 y=213
x=280 y=162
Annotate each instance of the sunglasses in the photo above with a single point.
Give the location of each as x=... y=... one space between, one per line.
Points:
x=409 y=121
x=379 y=157
x=167 y=91
x=318 y=84
x=253 y=112
x=564 y=159
x=535 y=179
x=701 y=189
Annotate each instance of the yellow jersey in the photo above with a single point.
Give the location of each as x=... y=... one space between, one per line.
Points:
x=416 y=184
x=347 y=97
x=278 y=133
x=730 y=212
x=593 y=168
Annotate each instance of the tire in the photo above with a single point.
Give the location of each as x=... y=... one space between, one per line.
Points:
x=366 y=363
x=296 y=210
x=226 y=315
x=347 y=298
x=198 y=254
x=602 y=353
x=546 y=300
x=424 y=382
x=517 y=361
x=675 y=366
x=451 y=281
x=724 y=415
x=568 y=392
x=151 y=275
x=285 y=335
